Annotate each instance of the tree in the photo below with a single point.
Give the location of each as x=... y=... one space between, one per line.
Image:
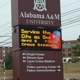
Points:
x=74 y=60
x=8 y=61
x=76 y=51
x=78 y=39
x=76 y=48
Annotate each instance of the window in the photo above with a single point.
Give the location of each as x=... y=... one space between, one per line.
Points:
x=63 y=55
x=69 y=55
x=63 y=50
x=3 y=52
x=8 y=49
x=69 y=50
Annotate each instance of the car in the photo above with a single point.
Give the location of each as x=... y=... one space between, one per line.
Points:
x=71 y=79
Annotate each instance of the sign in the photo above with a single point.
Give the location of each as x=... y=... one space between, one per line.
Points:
x=41 y=65
x=38 y=44
x=36 y=12
x=38 y=59
x=40 y=38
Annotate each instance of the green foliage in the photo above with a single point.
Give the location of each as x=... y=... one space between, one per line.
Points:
x=8 y=61
x=76 y=50
x=75 y=60
x=78 y=39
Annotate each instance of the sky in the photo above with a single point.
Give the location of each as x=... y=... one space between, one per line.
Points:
x=70 y=15
x=70 y=20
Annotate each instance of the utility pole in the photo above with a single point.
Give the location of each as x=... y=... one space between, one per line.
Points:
x=4 y=69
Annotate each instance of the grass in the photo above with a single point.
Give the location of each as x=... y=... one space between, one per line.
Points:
x=71 y=70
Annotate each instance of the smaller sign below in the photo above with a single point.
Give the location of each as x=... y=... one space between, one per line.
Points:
x=37 y=62
x=39 y=38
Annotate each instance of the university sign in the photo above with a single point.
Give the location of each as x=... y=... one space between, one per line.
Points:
x=37 y=12
x=36 y=40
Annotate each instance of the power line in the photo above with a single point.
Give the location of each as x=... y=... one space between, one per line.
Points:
x=5 y=30
x=4 y=5
x=5 y=36
x=70 y=4
x=6 y=43
x=2 y=1
x=71 y=22
x=11 y=42
x=5 y=24
x=62 y=21
x=70 y=26
x=75 y=10
x=7 y=39
x=70 y=18
x=64 y=24
x=69 y=12
x=62 y=14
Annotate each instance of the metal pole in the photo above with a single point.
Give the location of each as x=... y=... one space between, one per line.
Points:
x=66 y=63
x=66 y=67
x=4 y=71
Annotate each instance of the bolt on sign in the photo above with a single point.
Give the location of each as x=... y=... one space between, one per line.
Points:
x=36 y=12
x=40 y=38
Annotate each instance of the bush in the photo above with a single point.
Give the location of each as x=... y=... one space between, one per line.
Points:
x=74 y=60
x=8 y=61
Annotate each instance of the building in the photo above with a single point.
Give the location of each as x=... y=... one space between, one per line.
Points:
x=67 y=49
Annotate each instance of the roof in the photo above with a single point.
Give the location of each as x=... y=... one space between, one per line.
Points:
x=68 y=45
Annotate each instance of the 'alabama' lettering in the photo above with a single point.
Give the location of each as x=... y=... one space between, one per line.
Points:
x=39 y=16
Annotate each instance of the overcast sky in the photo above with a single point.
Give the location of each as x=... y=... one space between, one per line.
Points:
x=70 y=20
x=70 y=10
